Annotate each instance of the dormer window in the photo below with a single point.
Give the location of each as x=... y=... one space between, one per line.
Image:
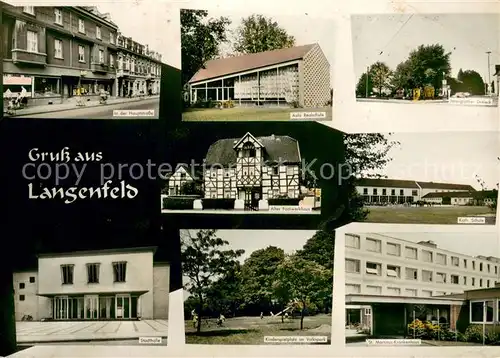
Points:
x=249 y=150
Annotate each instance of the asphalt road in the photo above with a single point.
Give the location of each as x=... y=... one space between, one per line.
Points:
x=104 y=111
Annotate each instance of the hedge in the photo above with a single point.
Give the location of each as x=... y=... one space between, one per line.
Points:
x=178 y=203
x=284 y=202
x=226 y=204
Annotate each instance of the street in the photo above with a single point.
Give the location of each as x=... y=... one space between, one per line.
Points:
x=103 y=111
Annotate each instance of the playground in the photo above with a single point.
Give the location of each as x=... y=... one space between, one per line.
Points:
x=252 y=330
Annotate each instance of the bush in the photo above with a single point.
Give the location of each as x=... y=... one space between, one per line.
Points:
x=492 y=337
x=284 y=202
x=204 y=104
x=224 y=204
x=178 y=203
x=474 y=333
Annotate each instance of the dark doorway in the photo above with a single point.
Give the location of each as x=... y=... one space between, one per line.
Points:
x=252 y=197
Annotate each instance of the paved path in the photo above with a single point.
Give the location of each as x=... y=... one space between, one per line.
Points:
x=40 y=332
x=92 y=109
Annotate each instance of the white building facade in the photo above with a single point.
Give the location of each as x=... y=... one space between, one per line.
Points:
x=94 y=285
x=387 y=266
x=381 y=191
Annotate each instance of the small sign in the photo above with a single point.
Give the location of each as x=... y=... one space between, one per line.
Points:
x=289 y=209
x=471 y=220
x=17 y=80
x=296 y=339
x=307 y=115
x=479 y=101
x=150 y=340
x=133 y=113
x=394 y=342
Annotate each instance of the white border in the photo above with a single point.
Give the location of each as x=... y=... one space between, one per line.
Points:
x=338 y=316
x=354 y=117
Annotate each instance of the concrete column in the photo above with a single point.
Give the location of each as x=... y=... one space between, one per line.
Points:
x=116 y=87
x=239 y=81
x=128 y=86
x=206 y=91
x=222 y=89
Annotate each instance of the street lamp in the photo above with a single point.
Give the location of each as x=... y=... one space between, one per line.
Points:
x=489 y=72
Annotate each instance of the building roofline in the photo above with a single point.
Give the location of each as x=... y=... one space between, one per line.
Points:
x=100 y=252
x=435 y=248
x=86 y=12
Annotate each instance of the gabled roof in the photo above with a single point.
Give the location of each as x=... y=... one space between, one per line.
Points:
x=444 y=186
x=459 y=194
x=412 y=184
x=276 y=148
x=233 y=65
x=389 y=183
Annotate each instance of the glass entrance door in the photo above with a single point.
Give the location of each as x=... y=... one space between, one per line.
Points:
x=61 y=307
x=91 y=307
x=123 y=306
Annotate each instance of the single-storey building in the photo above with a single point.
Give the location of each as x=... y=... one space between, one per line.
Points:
x=297 y=76
x=484 y=197
x=396 y=191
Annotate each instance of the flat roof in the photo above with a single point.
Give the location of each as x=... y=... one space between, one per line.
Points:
x=359 y=299
x=100 y=252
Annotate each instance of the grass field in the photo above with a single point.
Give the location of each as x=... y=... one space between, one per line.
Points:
x=248 y=114
x=252 y=330
x=426 y=215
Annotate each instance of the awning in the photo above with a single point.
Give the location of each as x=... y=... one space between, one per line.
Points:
x=368 y=299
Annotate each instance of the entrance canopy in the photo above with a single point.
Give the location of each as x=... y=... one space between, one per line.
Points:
x=367 y=299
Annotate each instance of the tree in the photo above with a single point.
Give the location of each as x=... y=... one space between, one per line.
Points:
x=257 y=276
x=365 y=154
x=472 y=82
x=225 y=294
x=191 y=188
x=380 y=74
x=427 y=65
x=305 y=281
x=205 y=260
x=319 y=248
x=258 y=33
x=365 y=82
x=200 y=40
x=402 y=77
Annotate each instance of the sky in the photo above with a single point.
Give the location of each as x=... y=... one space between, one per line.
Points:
x=466 y=36
x=453 y=157
x=473 y=244
x=252 y=240
x=305 y=29
x=142 y=21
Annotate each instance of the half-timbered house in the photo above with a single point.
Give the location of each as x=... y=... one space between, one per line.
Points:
x=286 y=77
x=182 y=175
x=252 y=169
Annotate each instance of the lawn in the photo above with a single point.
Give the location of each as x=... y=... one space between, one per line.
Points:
x=248 y=113
x=252 y=330
x=426 y=215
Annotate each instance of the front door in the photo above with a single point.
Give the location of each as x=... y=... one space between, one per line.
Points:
x=123 y=307
x=91 y=307
x=61 y=307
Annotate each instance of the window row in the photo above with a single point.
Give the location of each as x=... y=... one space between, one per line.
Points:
x=134 y=65
x=374 y=268
x=383 y=192
x=58 y=20
x=395 y=249
x=22 y=285
x=93 y=271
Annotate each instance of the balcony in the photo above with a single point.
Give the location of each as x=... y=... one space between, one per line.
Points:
x=122 y=73
x=99 y=67
x=29 y=58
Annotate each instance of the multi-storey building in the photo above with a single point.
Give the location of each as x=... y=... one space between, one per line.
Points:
x=105 y=284
x=253 y=168
x=395 y=191
x=54 y=53
x=385 y=274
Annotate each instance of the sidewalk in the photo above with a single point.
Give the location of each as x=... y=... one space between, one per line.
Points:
x=66 y=331
x=71 y=104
